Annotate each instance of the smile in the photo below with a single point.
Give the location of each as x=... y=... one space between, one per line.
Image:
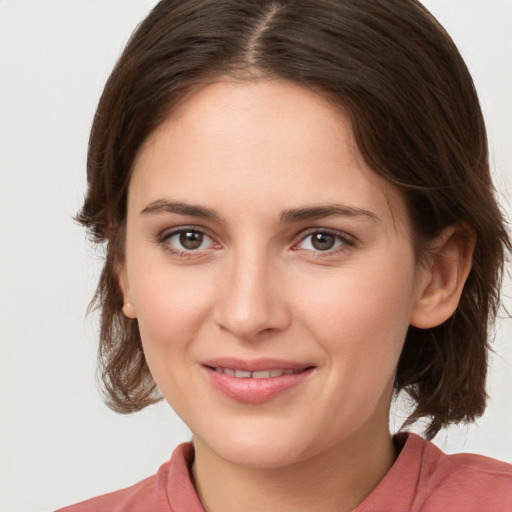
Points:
x=263 y=374
x=257 y=381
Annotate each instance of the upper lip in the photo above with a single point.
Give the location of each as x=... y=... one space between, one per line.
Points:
x=255 y=365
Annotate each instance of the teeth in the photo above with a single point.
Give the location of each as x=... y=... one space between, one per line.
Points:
x=263 y=374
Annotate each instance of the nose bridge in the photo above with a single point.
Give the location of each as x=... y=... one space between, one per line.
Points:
x=250 y=302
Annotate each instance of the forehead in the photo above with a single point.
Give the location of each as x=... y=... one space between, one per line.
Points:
x=264 y=142
x=253 y=113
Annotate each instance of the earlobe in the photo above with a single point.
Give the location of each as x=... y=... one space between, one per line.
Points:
x=443 y=276
x=122 y=279
x=129 y=310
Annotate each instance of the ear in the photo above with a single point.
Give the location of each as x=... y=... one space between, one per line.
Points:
x=447 y=266
x=122 y=279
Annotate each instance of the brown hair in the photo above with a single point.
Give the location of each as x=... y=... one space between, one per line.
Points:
x=416 y=120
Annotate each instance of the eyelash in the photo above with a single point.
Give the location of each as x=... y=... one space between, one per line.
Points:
x=343 y=240
x=165 y=238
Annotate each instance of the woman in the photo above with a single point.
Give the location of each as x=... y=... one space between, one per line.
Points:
x=300 y=222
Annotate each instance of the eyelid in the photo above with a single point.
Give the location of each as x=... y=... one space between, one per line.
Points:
x=167 y=234
x=346 y=239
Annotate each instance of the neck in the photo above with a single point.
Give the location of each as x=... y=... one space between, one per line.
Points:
x=336 y=480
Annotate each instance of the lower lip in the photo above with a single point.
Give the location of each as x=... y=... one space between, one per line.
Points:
x=254 y=391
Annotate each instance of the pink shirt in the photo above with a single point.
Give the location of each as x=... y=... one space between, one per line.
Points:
x=423 y=479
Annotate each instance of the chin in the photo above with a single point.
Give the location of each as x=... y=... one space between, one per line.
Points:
x=258 y=449
x=262 y=456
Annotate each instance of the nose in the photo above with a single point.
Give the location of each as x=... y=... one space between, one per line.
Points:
x=251 y=301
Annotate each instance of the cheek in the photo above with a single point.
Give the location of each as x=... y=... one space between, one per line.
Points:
x=171 y=308
x=362 y=316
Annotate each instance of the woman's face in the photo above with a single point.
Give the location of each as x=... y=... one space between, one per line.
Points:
x=271 y=272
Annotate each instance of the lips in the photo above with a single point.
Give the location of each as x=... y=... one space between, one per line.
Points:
x=261 y=374
x=255 y=381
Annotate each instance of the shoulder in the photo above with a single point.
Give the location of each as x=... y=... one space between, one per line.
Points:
x=134 y=498
x=425 y=479
x=464 y=481
x=152 y=493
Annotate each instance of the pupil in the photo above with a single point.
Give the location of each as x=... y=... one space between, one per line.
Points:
x=323 y=241
x=191 y=239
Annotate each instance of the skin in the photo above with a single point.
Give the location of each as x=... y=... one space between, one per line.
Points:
x=257 y=287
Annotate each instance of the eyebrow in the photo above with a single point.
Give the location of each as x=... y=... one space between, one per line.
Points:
x=287 y=216
x=319 y=212
x=163 y=206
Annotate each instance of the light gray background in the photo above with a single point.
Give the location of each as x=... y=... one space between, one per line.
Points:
x=58 y=443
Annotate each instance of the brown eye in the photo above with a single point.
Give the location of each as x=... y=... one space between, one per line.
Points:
x=188 y=242
x=191 y=240
x=323 y=241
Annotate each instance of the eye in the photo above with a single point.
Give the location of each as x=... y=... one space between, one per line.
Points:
x=324 y=241
x=187 y=240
